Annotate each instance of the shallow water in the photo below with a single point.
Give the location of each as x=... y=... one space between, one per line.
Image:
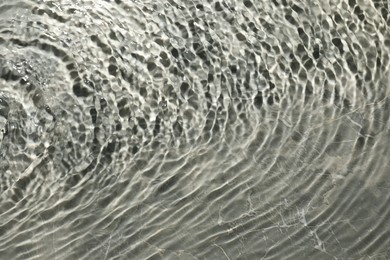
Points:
x=194 y=130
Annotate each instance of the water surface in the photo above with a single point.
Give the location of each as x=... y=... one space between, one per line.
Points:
x=194 y=129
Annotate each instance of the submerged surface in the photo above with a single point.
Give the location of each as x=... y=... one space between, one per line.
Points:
x=194 y=130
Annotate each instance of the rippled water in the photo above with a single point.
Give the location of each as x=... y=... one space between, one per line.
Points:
x=194 y=129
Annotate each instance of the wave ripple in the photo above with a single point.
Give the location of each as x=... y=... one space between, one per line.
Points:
x=193 y=130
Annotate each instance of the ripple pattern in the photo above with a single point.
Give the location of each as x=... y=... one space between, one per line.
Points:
x=194 y=129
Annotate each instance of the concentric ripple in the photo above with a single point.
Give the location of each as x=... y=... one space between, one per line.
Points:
x=194 y=129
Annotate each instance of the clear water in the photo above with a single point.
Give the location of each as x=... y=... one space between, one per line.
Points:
x=194 y=129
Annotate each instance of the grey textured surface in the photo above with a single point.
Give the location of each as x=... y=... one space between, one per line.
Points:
x=194 y=129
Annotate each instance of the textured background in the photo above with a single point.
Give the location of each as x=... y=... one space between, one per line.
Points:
x=194 y=129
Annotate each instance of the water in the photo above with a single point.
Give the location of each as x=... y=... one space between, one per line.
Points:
x=194 y=130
